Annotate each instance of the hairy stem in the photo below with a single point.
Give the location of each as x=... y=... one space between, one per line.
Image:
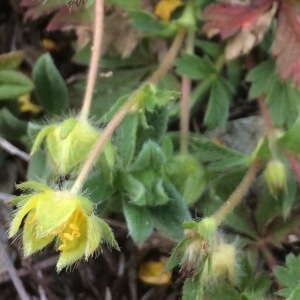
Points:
x=95 y=58
x=270 y=128
x=237 y=196
x=125 y=109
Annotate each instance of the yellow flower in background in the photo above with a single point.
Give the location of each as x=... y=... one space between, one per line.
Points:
x=164 y=8
x=152 y=272
x=61 y=216
x=26 y=106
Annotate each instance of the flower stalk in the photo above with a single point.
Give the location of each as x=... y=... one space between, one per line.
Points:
x=95 y=59
x=237 y=196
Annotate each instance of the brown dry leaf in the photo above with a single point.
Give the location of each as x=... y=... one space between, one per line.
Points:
x=248 y=37
x=119 y=36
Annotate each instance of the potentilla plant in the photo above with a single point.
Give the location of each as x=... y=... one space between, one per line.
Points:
x=127 y=158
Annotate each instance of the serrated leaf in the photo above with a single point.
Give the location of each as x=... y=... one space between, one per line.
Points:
x=194 y=67
x=248 y=22
x=217 y=111
x=50 y=86
x=157 y=125
x=281 y=96
x=227 y=19
x=218 y=157
x=138 y=220
x=151 y=156
x=66 y=18
x=289 y=276
x=286 y=47
x=13 y=84
x=212 y=49
x=169 y=218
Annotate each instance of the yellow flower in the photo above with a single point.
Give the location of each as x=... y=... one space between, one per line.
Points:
x=164 y=8
x=61 y=216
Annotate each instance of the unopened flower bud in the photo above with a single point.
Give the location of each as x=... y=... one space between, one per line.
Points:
x=223 y=263
x=275 y=176
x=195 y=254
x=207 y=227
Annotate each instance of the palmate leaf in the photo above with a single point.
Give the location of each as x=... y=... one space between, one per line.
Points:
x=289 y=276
x=248 y=23
x=218 y=157
x=286 y=47
x=281 y=96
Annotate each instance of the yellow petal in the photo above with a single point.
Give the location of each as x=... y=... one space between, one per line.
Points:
x=152 y=272
x=164 y=8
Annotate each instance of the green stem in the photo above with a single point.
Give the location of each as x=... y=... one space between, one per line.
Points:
x=125 y=109
x=185 y=98
x=237 y=196
x=95 y=58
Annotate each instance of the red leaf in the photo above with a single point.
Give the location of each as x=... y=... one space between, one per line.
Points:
x=286 y=47
x=227 y=19
x=68 y=19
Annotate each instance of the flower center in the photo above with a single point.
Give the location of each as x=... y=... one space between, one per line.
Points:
x=71 y=231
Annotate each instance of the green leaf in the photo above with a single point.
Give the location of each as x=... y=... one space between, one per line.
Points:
x=212 y=49
x=157 y=125
x=150 y=25
x=51 y=89
x=261 y=78
x=39 y=167
x=223 y=291
x=110 y=92
x=10 y=126
x=169 y=218
x=282 y=97
x=218 y=104
x=188 y=176
x=97 y=186
x=216 y=156
x=13 y=84
x=291 y=139
x=176 y=255
x=192 y=289
x=126 y=138
x=194 y=67
x=289 y=276
x=151 y=156
x=138 y=220
x=135 y=190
